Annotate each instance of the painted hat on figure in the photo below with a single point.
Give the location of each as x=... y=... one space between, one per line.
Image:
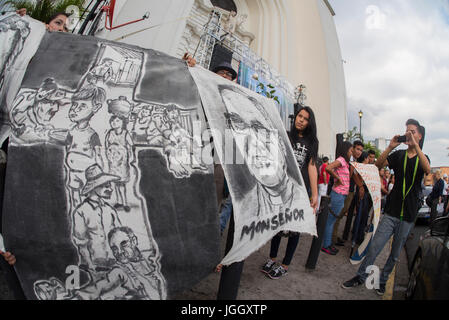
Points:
x=95 y=177
x=49 y=90
x=225 y=66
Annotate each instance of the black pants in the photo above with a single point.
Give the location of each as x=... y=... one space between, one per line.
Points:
x=445 y=201
x=12 y=280
x=289 y=252
x=350 y=216
x=361 y=220
x=433 y=209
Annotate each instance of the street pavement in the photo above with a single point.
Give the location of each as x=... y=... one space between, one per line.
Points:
x=323 y=283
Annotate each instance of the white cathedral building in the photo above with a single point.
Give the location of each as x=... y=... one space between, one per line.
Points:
x=284 y=43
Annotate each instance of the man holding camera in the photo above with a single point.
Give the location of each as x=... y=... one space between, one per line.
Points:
x=401 y=207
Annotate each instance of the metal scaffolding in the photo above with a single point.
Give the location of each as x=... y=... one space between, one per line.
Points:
x=213 y=33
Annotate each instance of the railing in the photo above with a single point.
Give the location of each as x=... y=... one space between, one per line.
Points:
x=5 y=6
x=213 y=33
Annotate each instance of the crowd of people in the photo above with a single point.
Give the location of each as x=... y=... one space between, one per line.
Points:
x=349 y=196
x=401 y=174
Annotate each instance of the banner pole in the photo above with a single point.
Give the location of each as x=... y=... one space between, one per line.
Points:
x=317 y=242
x=350 y=216
x=230 y=275
x=9 y=272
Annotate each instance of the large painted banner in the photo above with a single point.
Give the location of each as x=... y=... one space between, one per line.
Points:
x=19 y=39
x=106 y=195
x=267 y=189
x=370 y=175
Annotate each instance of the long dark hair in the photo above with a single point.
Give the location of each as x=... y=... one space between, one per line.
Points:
x=362 y=157
x=343 y=150
x=310 y=133
x=54 y=16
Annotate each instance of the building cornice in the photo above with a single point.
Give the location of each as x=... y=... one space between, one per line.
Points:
x=242 y=33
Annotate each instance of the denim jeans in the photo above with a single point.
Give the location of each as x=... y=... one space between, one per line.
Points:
x=388 y=226
x=225 y=213
x=337 y=203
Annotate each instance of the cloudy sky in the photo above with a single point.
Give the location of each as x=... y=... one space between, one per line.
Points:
x=397 y=67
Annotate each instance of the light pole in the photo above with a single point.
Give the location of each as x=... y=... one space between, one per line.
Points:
x=300 y=98
x=299 y=94
x=360 y=116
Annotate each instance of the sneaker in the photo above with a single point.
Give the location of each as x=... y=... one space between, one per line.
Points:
x=328 y=250
x=354 y=282
x=381 y=290
x=334 y=249
x=277 y=272
x=266 y=268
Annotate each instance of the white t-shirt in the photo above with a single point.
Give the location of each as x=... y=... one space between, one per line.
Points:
x=445 y=188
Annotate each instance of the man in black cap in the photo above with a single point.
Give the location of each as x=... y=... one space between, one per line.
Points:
x=224 y=69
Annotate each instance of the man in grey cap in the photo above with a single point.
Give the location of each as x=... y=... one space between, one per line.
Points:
x=34 y=109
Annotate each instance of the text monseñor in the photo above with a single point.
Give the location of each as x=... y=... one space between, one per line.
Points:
x=272 y=223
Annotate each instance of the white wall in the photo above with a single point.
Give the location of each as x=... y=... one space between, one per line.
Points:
x=297 y=37
x=338 y=98
x=169 y=17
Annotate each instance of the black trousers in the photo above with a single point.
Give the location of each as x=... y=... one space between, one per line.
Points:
x=289 y=252
x=433 y=209
x=11 y=280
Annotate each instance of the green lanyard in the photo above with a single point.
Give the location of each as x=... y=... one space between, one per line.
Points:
x=405 y=194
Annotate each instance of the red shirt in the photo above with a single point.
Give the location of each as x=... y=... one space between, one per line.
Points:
x=321 y=177
x=385 y=183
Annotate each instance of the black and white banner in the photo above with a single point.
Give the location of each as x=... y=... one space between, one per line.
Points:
x=109 y=190
x=268 y=192
x=105 y=195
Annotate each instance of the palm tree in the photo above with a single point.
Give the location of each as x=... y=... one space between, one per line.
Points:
x=43 y=10
x=369 y=146
x=352 y=135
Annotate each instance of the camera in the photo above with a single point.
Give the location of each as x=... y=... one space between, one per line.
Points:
x=402 y=139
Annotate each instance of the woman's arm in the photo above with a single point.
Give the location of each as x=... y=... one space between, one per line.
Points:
x=330 y=170
x=313 y=179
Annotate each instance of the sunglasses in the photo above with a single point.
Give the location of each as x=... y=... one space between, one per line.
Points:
x=225 y=73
